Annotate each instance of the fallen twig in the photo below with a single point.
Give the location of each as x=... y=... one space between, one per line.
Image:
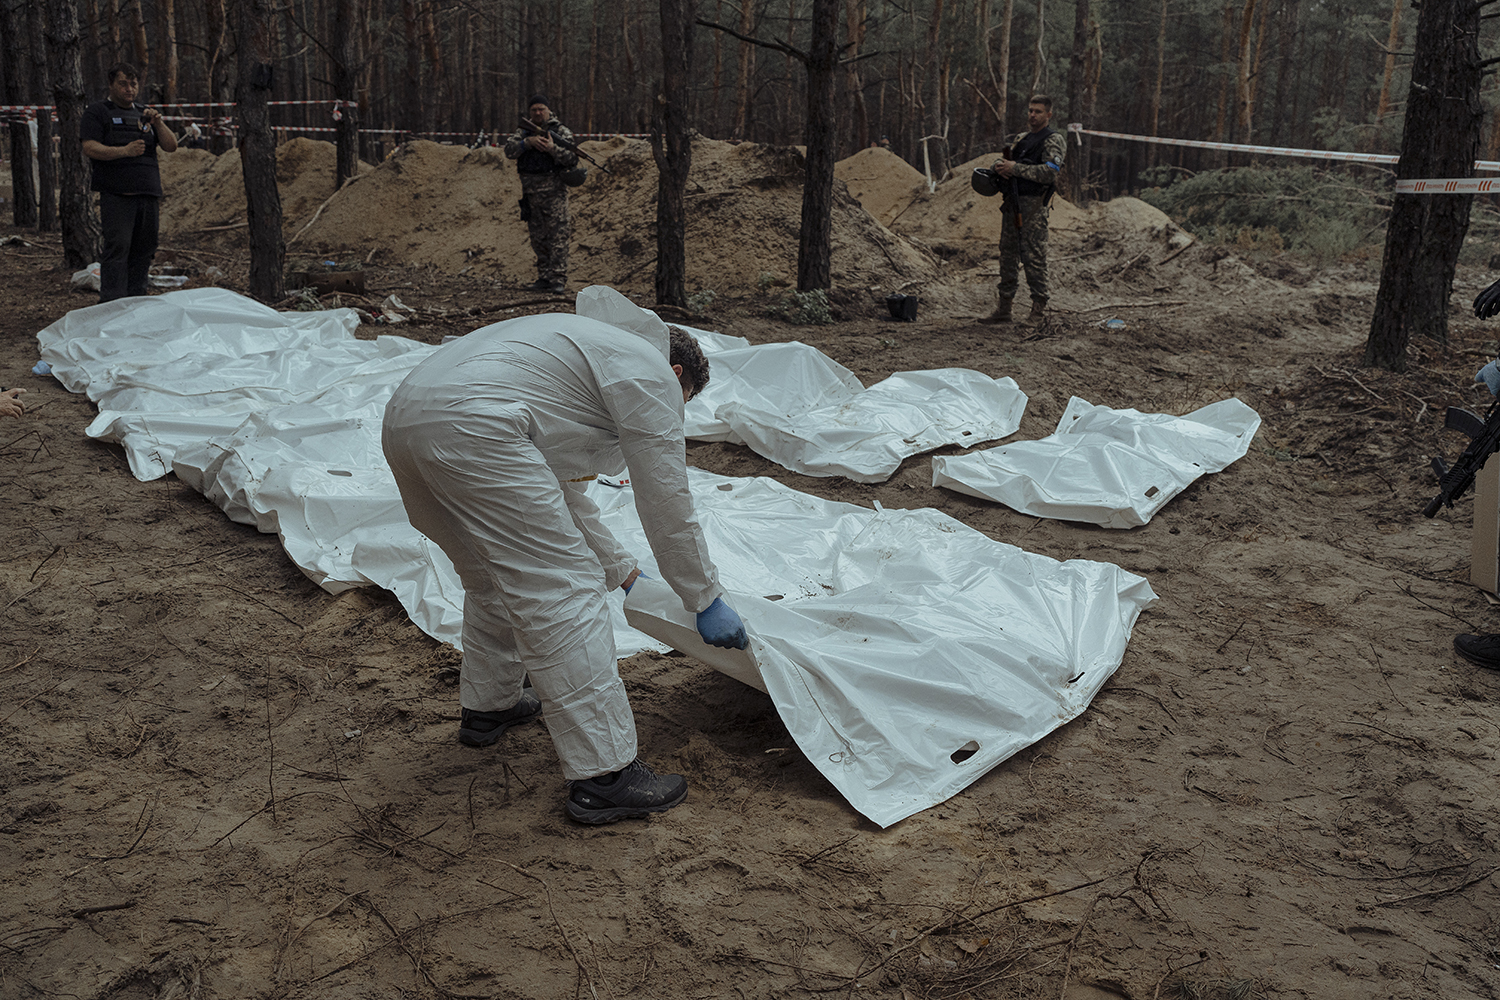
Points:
x=87 y=910
x=1440 y=892
x=347 y=182
x=276 y=971
x=582 y=969
x=1131 y=305
x=22 y=661
x=33 y=698
x=1174 y=253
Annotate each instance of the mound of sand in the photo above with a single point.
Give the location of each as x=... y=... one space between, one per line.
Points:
x=882 y=182
x=203 y=190
x=955 y=212
x=455 y=209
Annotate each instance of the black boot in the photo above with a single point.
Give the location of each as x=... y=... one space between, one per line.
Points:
x=634 y=790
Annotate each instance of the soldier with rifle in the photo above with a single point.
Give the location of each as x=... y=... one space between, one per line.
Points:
x=1453 y=481
x=546 y=156
x=1027 y=175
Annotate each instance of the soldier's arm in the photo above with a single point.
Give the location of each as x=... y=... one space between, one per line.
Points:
x=516 y=144
x=566 y=158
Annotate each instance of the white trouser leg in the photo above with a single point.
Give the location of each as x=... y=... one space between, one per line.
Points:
x=534 y=598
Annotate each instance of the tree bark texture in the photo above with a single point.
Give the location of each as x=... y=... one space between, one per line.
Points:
x=23 y=154
x=258 y=150
x=1077 y=164
x=1425 y=233
x=935 y=122
x=1001 y=70
x=41 y=90
x=80 y=223
x=1244 y=74
x=346 y=63
x=672 y=146
x=815 y=251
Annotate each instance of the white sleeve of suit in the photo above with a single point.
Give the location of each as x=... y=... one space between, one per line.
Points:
x=649 y=426
x=618 y=563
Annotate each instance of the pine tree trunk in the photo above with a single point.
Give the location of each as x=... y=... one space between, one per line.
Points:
x=437 y=73
x=1161 y=64
x=860 y=118
x=23 y=182
x=168 y=12
x=1444 y=114
x=1226 y=48
x=258 y=150
x=41 y=89
x=1384 y=104
x=1002 y=70
x=1039 y=69
x=1243 y=74
x=1287 y=43
x=815 y=253
x=747 y=75
x=1077 y=161
x=345 y=69
x=671 y=145
x=933 y=122
x=214 y=28
x=137 y=26
x=80 y=225
x=412 y=83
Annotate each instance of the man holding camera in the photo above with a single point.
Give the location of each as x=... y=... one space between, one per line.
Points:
x=542 y=164
x=1027 y=171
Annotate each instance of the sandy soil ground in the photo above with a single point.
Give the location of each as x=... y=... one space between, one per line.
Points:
x=220 y=781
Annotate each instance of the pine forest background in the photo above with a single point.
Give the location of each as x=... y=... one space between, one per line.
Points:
x=1301 y=73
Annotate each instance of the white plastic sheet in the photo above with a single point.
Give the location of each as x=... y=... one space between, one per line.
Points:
x=888 y=640
x=891 y=640
x=1114 y=468
x=801 y=409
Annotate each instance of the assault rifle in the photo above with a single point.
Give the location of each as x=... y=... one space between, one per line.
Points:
x=564 y=143
x=1015 y=191
x=1454 y=481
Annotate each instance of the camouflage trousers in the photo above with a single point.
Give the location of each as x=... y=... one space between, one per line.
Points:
x=551 y=230
x=1024 y=247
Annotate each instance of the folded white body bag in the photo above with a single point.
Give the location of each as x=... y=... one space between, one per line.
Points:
x=799 y=408
x=1114 y=468
x=907 y=653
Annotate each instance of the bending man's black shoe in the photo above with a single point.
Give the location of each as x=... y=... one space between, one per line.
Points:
x=633 y=791
x=1483 y=650
x=480 y=729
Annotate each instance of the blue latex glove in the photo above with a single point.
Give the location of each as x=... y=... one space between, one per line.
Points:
x=638 y=575
x=1490 y=376
x=720 y=626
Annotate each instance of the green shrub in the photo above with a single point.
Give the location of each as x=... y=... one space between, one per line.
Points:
x=1310 y=210
x=699 y=303
x=803 y=308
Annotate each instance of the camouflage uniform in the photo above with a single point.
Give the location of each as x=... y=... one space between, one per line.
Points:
x=542 y=186
x=1027 y=245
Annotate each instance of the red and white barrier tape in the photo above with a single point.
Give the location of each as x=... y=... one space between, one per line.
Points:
x=1234 y=147
x=1452 y=185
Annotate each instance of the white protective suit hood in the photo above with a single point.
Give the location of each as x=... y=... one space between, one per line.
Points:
x=606 y=305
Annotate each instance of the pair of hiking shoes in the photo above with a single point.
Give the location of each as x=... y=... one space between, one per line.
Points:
x=632 y=792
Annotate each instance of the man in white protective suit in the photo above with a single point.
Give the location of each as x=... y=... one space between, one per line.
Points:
x=493 y=439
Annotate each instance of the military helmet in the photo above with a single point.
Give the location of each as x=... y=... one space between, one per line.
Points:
x=573 y=178
x=985 y=181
